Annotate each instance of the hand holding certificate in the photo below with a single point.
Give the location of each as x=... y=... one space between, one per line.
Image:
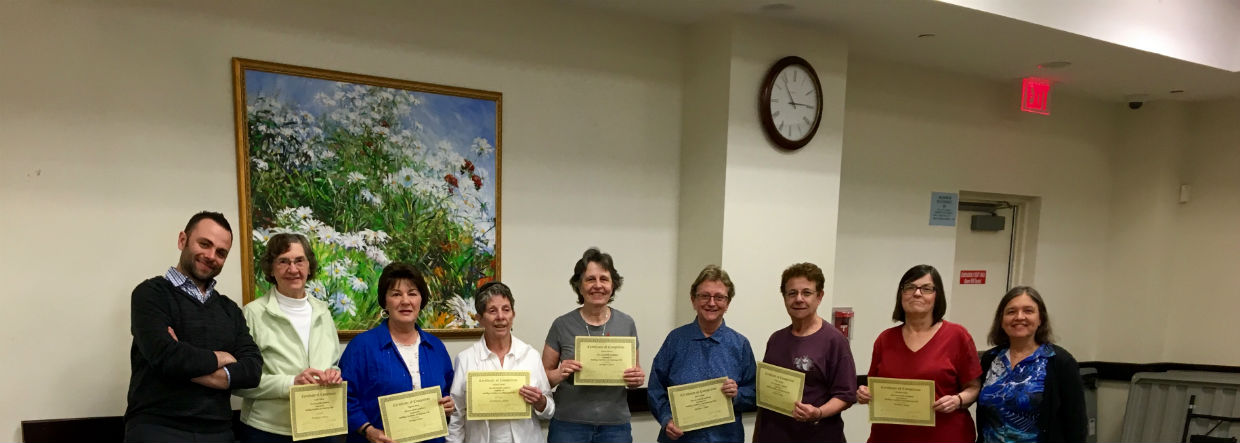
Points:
x=779 y=388
x=700 y=405
x=496 y=395
x=604 y=359
x=318 y=411
x=902 y=401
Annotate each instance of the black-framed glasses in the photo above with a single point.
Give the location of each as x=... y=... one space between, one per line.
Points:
x=911 y=288
x=708 y=297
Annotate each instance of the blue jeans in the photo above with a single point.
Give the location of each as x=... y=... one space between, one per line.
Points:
x=567 y=432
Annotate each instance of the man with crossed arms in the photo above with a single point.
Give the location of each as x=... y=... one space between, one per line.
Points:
x=191 y=346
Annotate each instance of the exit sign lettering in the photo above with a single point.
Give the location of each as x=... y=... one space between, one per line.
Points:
x=1035 y=95
x=972 y=277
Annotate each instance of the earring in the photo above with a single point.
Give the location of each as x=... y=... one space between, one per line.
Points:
x=383 y=313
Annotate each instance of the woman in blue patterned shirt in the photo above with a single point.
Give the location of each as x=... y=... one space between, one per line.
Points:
x=1031 y=390
x=702 y=350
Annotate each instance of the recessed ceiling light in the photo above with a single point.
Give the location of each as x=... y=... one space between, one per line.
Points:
x=1058 y=64
x=776 y=7
x=926 y=35
x=1177 y=91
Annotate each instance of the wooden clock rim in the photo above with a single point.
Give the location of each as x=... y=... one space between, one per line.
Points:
x=764 y=103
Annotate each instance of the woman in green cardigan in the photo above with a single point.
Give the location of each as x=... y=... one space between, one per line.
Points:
x=297 y=338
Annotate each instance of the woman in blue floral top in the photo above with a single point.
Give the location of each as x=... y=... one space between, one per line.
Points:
x=1031 y=390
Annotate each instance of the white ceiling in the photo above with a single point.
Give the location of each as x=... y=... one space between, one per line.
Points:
x=967 y=41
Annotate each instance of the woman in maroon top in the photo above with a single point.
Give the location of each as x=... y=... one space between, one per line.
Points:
x=926 y=347
x=811 y=346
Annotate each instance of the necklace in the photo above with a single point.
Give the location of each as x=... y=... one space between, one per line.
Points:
x=605 y=320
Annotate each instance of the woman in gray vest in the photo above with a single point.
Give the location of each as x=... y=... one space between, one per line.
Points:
x=589 y=413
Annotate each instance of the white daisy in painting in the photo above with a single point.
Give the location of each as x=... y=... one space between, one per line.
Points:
x=342 y=304
x=464 y=311
x=315 y=289
x=481 y=146
x=311 y=226
x=378 y=256
x=358 y=284
x=352 y=241
x=339 y=268
x=407 y=177
x=327 y=234
x=262 y=235
x=355 y=177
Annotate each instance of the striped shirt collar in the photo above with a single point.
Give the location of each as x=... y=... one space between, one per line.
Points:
x=181 y=281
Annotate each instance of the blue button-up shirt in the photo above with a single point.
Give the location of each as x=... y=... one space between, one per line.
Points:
x=688 y=356
x=373 y=367
x=182 y=282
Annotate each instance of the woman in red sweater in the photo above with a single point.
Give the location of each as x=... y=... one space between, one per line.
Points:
x=926 y=347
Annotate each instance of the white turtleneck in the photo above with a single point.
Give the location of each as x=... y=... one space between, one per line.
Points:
x=298 y=312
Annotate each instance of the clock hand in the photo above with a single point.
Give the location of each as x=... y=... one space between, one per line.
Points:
x=791 y=100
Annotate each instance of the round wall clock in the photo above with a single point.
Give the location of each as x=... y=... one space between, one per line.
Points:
x=790 y=103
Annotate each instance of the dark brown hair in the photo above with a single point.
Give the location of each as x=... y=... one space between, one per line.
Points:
x=1042 y=336
x=810 y=271
x=280 y=244
x=401 y=271
x=213 y=216
x=940 y=294
x=593 y=255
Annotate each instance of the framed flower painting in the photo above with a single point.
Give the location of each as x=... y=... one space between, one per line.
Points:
x=372 y=171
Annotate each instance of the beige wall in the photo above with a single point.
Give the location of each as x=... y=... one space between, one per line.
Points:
x=1200 y=302
x=117 y=125
x=908 y=133
x=1128 y=273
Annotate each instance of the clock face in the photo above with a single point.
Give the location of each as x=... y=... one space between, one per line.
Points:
x=794 y=103
x=790 y=104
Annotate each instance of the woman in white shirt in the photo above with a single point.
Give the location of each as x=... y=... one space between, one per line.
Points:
x=499 y=350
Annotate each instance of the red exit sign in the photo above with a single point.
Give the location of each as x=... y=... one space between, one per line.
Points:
x=1035 y=95
x=972 y=277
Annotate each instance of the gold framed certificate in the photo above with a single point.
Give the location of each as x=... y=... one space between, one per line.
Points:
x=901 y=401
x=413 y=416
x=604 y=359
x=700 y=405
x=779 y=388
x=494 y=395
x=318 y=411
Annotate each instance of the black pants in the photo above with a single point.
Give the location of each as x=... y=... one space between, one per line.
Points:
x=153 y=433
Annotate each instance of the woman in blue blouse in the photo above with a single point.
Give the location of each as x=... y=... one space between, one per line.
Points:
x=705 y=349
x=1031 y=390
x=394 y=357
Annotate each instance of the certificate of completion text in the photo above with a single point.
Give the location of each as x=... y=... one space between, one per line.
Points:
x=604 y=359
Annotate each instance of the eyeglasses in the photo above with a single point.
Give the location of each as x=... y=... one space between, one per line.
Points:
x=720 y=299
x=911 y=288
x=807 y=293
x=301 y=262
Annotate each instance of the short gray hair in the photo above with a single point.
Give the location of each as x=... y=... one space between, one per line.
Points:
x=492 y=289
